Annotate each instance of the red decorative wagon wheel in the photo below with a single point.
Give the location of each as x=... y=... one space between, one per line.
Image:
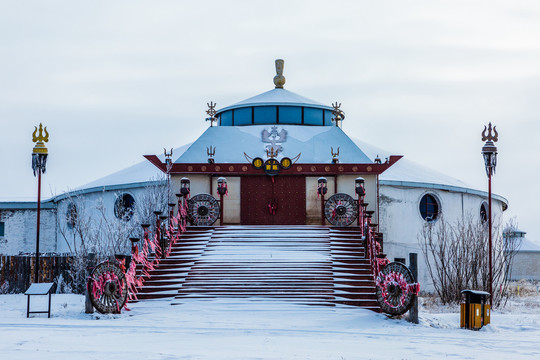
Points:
x=396 y=289
x=341 y=210
x=107 y=287
x=203 y=210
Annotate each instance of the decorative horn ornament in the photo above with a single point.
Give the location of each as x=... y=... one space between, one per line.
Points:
x=168 y=159
x=211 y=113
x=339 y=115
x=335 y=155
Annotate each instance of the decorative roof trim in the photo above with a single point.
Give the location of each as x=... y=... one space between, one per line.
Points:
x=296 y=169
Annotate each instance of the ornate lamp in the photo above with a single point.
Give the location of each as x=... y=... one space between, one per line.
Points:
x=185 y=185
x=222 y=186
x=39 y=162
x=222 y=191
x=361 y=192
x=359 y=187
x=489 y=152
x=322 y=189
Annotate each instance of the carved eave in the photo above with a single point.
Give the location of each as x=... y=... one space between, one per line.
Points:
x=296 y=169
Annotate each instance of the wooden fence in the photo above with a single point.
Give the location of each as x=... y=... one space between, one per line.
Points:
x=17 y=272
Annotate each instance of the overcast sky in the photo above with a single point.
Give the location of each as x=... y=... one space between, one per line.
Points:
x=114 y=80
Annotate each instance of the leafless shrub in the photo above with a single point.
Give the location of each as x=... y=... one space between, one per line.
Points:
x=457 y=257
x=90 y=229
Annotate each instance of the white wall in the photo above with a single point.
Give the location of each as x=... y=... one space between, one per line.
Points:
x=231 y=209
x=401 y=221
x=526 y=265
x=87 y=206
x=313 y=203
x=20 y=231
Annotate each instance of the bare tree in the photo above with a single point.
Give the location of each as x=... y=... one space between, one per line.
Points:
x=457 y=257
x=89 y=228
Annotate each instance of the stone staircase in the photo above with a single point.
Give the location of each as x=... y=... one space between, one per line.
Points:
x=312 y=265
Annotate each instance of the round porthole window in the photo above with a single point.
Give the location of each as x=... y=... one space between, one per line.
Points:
x=124 y=207
x=429 y=207
x=71 y=215
x=484 y=212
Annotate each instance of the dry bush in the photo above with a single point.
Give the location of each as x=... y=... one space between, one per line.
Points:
x=457 y=257
x=93 y=235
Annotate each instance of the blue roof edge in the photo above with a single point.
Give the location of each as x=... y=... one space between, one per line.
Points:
x=108 y=188
x=30 y=205
x=315 y=106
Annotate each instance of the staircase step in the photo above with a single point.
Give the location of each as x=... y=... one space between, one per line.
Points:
x=312 y=265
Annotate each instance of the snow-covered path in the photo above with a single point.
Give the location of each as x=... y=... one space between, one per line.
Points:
x=243 y=329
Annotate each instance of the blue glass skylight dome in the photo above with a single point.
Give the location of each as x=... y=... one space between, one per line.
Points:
x=277 y=106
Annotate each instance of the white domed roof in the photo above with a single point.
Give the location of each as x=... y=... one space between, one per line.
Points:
x=277 y=97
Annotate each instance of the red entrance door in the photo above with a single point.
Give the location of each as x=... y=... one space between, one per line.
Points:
x=278 y=202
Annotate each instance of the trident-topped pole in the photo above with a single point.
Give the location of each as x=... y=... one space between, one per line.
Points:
x=39 y=162
x=489 y=151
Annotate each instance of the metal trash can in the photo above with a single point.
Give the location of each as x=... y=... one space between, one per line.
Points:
x=475 y=313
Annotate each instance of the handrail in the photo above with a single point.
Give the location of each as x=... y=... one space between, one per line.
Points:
x=151 y=245
x=372 y=246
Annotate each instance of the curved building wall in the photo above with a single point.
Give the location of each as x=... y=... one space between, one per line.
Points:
x=91 y=206
x=401 y=221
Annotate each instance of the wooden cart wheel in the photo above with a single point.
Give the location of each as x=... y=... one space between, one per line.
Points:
x=341 y=210
x=203 y=210
x=107 y=287
x=395 y=289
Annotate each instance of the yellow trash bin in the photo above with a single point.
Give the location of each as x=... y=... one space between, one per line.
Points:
x=475 y=313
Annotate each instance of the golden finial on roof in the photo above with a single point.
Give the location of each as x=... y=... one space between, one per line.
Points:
x=279 y=79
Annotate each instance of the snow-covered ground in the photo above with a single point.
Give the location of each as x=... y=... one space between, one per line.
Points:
x=258 y=329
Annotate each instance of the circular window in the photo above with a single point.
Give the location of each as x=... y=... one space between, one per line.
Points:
x=124 y=207
x=429 y=207
x=484 y=212
x=71 y=215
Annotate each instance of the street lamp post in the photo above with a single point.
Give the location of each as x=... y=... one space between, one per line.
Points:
x=39 y=161
x=322 y=189
x=222 y=190
x=489 y=151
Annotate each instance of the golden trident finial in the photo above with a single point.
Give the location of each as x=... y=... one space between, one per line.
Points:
x=279 y=79
x=40 y=139
x=489 y=136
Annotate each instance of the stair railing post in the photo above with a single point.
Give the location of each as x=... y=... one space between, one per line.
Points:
x=413 y=266
x=322 y=189
x=90 y=264
x=162 y=235
x=361 y=193
x=222 y=190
